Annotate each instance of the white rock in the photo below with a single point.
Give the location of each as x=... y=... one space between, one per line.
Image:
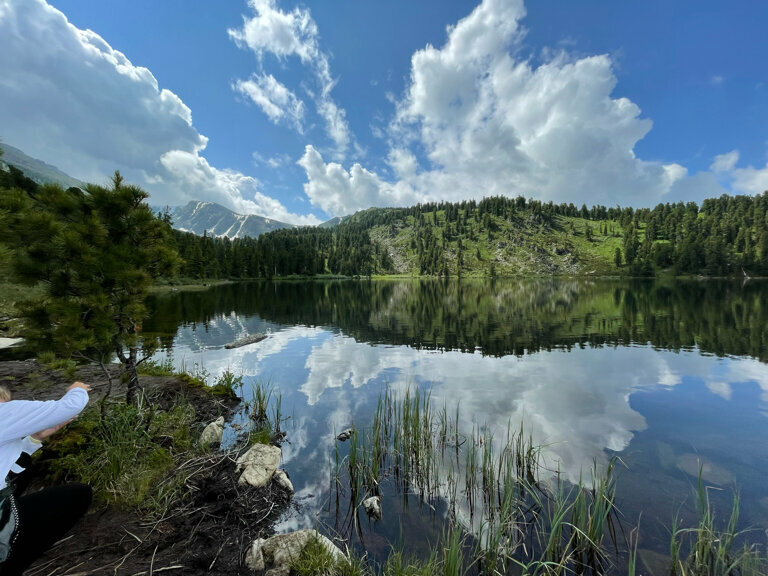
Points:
x=213 y=432
x=282 y=480
x=372 y=507
x=254 y=558
x=276 y=554
x=8 y=342
x=258 y=465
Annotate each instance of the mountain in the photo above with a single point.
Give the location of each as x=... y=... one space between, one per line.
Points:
x=39 y=171
x=333 y=222
x=215 y=220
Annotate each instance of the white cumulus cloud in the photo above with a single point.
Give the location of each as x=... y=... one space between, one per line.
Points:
x=751 y=180
x=68 y=97
x=486 y=121
x=746 y=180
x=275 y=99
x=284 y=34
x=725 y=162
x=338 y=191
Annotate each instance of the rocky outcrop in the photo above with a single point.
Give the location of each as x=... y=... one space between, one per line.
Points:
x=273 y=557
x=213 y=433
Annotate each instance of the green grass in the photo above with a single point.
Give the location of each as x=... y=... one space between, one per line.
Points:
x=11 y=296
x=316 y=560
x=706 y=550
x=264 y=411
x=65 y=365
x=509 y=247
x=156 y=368
x=127 y=454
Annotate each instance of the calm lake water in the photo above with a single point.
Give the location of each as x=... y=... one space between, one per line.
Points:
x=669 y=376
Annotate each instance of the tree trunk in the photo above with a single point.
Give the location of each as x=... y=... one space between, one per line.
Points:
x=129 y=365
x=133 y=377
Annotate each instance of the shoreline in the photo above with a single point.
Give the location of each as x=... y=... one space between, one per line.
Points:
x=205 y=529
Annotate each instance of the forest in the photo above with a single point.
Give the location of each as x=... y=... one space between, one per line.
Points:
x=726 y=236
x=498 y=236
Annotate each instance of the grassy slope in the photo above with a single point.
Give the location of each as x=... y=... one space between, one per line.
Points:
x=10 y=295
x=517 y=247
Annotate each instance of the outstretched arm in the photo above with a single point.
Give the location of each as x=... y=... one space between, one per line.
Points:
x=20 y=418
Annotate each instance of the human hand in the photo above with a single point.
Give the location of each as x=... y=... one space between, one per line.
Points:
x=43 y=434
x=85 y=387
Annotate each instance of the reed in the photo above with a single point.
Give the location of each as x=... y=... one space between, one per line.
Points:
x=710 y=551
x=519 y=517
x=261 y=394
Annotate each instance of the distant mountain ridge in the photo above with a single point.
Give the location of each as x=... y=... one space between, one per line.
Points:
x=216 y=220
x=41 y=172
x=333 y=222
x=197 y=217
x=213 y=219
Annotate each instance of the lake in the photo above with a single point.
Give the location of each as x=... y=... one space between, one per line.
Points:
x=669 y=376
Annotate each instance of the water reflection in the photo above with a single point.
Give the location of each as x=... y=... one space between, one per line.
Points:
x=648 y=371
x=497 y=318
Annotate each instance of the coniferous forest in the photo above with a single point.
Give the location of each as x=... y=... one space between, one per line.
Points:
x=498 y=236
x=724 y=236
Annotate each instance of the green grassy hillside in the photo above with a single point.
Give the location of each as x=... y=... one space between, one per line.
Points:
x=494 y=245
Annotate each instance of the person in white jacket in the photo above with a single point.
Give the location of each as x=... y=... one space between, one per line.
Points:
x=41 y=518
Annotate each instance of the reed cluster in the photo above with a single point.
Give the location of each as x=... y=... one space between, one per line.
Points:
x=508 y=513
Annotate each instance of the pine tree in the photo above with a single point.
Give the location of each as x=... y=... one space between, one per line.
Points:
x=96 y=253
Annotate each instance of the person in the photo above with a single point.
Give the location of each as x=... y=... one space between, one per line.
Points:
x=32 y=523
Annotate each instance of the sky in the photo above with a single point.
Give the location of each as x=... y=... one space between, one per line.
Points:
x=305 y=111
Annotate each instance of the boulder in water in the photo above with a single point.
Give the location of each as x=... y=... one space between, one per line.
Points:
x=372 y=507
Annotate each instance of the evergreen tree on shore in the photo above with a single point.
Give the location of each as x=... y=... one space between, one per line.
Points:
x=95 y=252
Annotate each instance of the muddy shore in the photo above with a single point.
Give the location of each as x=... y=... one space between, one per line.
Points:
x=207 y=532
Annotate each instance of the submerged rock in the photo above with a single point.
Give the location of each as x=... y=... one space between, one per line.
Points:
x=213 y=433
x=694 y=464
x=252 y=339
x=258 y=465
x=281 y=479
x=273 y=556
x=345 y=435
x=372 y=507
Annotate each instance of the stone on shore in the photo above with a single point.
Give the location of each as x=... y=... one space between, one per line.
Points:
x=213 y=433
x=8 y=342
x=273 y=556
x=258 y=465
x=282 y=480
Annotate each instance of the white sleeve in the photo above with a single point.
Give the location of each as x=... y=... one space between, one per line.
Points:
x=30 y=445
x=20 y=418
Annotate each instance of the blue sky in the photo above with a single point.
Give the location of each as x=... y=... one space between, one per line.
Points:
x=303 y=111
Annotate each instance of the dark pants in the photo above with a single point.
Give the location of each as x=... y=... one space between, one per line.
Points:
x=44 y=518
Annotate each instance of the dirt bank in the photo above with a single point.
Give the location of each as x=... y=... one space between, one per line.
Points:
x=206 y=533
